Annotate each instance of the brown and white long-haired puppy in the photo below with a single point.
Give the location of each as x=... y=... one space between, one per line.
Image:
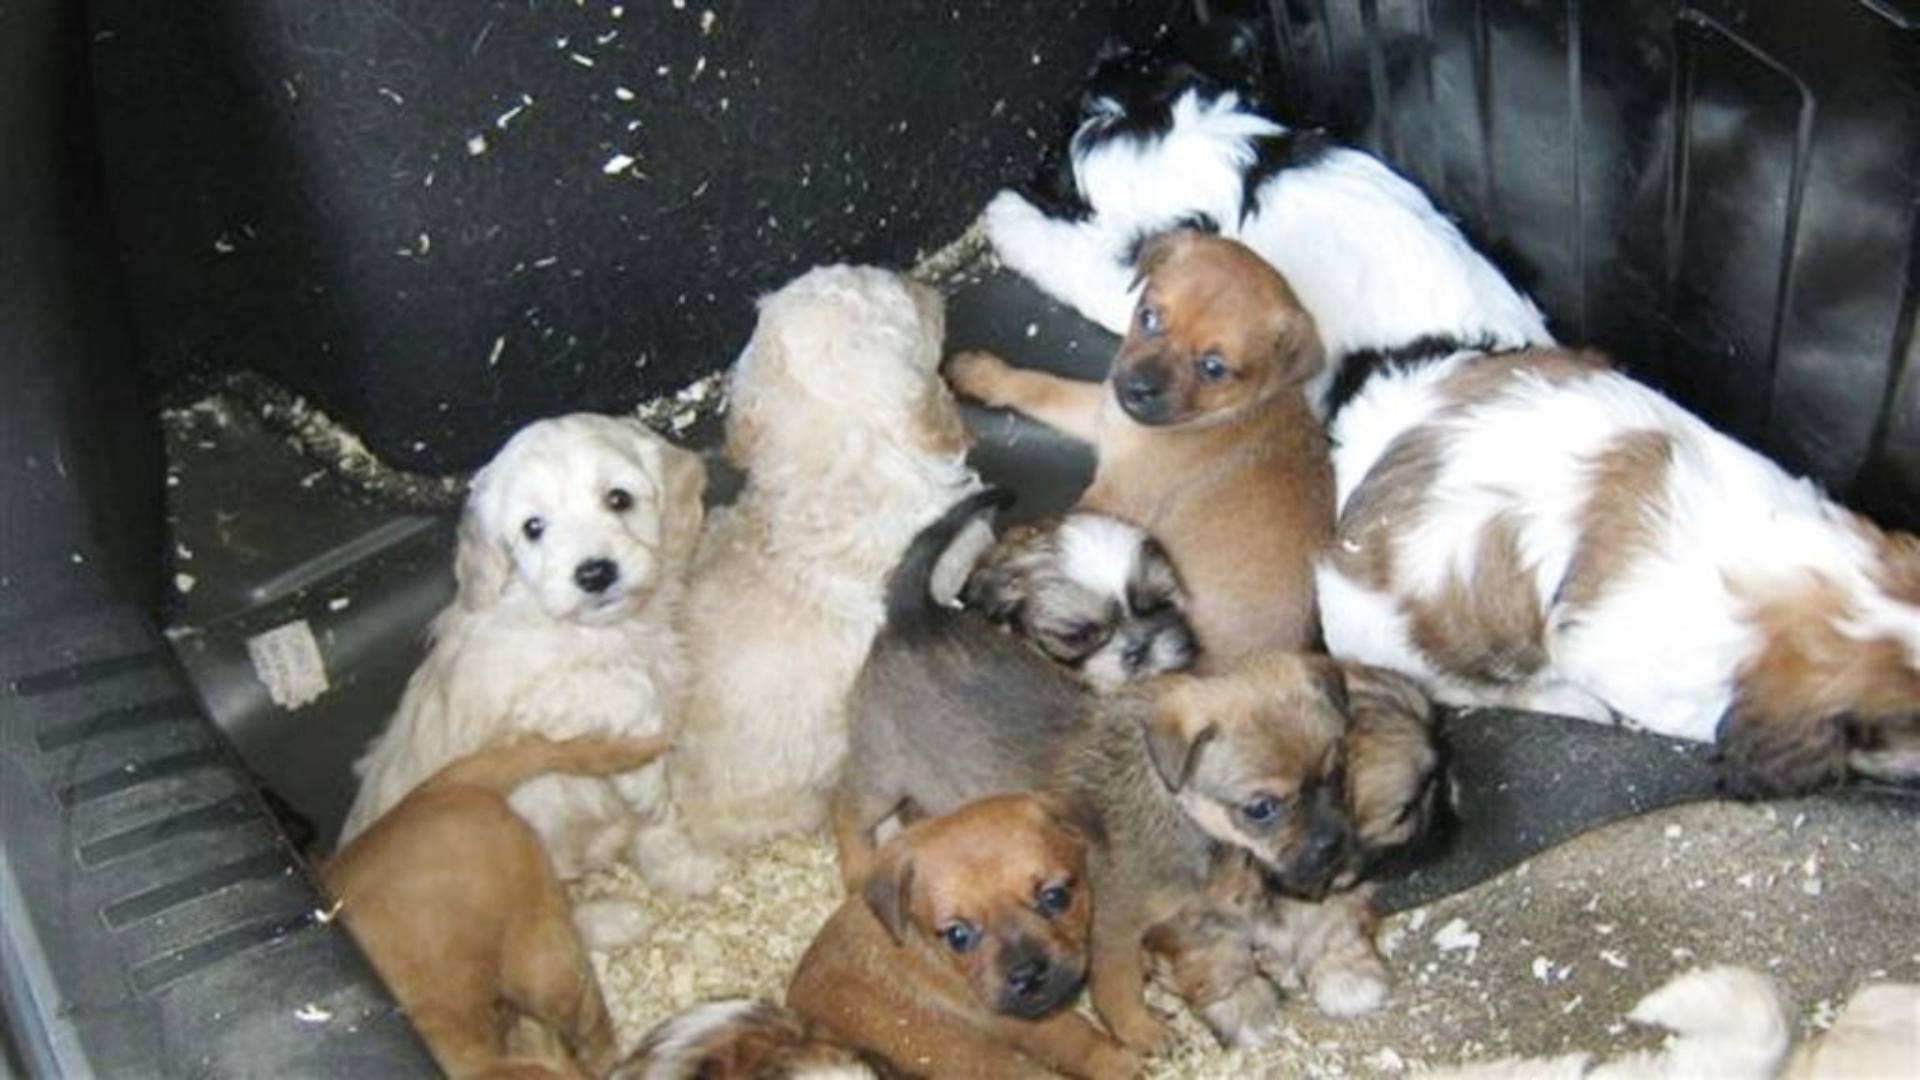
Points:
x=1090 y=591
x=1536 y=529
x=851 y=444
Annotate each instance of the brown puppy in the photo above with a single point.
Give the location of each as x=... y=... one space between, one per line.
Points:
x=1232 y=951
x=1250 y=760
x=1204 y=437
x=454 y=899
x=964 y=949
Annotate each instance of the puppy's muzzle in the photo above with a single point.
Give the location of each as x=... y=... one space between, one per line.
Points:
x=1143 y=394
x=1035 y=985
x=1311 y=873
x=596 y=575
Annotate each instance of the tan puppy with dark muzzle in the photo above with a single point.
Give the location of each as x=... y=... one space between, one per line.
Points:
x=455 y=900
x=1204 y=437
x=963 y=951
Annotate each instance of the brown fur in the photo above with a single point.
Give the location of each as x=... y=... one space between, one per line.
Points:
x=1618 y=526
x=1490 y=626
x=881 y=976
x=455 y=901
x=1230 y=953
x=1165 y=768
x=1811 y=692
x=1380 y=509
x=1231 y=474
x=1481 y=378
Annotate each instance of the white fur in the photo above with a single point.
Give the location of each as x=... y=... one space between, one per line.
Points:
x=674 y=1050
x=1101 y=552
x=1369 y=256
x=525 y=649
x=852 y=444
x=1663 y=645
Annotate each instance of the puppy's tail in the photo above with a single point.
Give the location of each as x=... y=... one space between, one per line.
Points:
x=910 y=603
x=506 y=766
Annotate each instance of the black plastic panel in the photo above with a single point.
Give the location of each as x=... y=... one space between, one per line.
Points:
x=444 y=219
x=1721 y=194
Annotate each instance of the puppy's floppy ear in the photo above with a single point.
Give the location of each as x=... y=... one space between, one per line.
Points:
x=681 y=509
x=1176 y=731
x=998 y=586
x=482 y=568
x=888 y=891
x=1298 y=354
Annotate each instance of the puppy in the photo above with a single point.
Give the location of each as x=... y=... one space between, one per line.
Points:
x=1204 y=437
x=1090 y=591
x=747 y=1039
x=1242 y=942
x=570 y=562
x=940 y=676
x=1537 y=530
x=1160 y=145
x=963 y=950
x=1231 y=952
x=454 y=899
x=851 y=444
x=1250 y=759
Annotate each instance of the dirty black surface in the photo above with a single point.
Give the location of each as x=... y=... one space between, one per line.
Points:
x=442 y=221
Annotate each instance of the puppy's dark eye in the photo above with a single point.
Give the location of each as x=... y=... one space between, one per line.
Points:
x=534 y=528
x=1149 y=319
x=1081 y=635
x=960 y=936
x=619 y=500
x=1261 y=809
x=1211 y=367
x=1055 y=899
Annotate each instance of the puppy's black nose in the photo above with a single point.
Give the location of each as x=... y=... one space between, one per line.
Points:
x=1141 y=389
x=1029 y=976
x=1137 y=654
x=596 y=575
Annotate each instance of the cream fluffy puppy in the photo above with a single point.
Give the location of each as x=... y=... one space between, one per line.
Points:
x=570 y=564
x=851 y=444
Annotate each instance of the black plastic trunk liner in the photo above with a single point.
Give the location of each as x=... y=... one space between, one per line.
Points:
x=157 y=919
x=252 y=510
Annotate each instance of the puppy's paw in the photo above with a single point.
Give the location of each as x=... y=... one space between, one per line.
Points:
x=610 y=924
x=1248 y=1016
x=1143 y=1033
x=1343 y=994
x=1015 y=227
x=979 y=375
x=1111 y=1061
x=669 y=861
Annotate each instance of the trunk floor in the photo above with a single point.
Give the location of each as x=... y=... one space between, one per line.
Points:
x=283 y=525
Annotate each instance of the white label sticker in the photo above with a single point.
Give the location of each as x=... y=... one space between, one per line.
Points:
x=287 y=659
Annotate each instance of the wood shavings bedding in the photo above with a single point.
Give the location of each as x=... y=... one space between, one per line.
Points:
x=747 y=938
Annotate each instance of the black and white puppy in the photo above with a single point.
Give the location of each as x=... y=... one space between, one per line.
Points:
x=1092 y=592
x=1162 y=144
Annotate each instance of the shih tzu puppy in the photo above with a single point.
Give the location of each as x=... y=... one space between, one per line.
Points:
x=1092 y=592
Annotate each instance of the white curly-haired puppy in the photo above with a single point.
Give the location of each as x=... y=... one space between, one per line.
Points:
x=571 y=564
x=852 y=444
